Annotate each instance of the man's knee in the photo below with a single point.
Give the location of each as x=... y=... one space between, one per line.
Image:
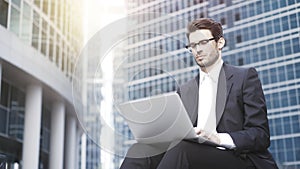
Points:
x=181 y=146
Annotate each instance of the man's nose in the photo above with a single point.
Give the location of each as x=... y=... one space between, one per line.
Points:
x=198 y=48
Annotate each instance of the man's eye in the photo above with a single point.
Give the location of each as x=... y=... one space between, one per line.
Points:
x=203 y=42
x=193 y=45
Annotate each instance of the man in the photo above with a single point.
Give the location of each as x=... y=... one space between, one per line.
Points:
x=226 y=105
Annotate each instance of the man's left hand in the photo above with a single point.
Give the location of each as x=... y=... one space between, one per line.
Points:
x=214 y=137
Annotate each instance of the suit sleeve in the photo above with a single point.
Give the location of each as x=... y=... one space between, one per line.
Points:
x=255 y=135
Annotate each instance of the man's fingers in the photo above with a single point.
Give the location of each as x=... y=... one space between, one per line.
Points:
x=197 y=130
x=202 y=133
x=207 y=135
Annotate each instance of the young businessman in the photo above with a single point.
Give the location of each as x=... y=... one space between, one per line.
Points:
x=226 y=105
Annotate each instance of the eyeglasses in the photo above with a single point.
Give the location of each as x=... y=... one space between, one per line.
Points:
x=194 y=45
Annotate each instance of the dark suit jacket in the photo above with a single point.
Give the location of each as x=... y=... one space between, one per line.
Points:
x=240 y=111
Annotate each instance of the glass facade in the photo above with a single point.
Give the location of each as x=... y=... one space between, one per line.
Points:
x=260 y=33
x=50 y=29
x=12 y=114
x=93 y=126
x=12 y=111
x=47 y=26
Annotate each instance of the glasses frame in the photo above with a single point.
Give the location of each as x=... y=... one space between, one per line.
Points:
x=201 y=42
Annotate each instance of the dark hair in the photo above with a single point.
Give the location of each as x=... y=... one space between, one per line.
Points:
x=206 y=23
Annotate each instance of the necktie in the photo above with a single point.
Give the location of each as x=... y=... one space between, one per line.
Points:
x=206 y=106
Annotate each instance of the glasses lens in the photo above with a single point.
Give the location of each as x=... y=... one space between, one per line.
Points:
x=192 y=45
x=204 y=42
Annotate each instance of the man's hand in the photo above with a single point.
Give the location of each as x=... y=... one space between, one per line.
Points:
x=214 y=137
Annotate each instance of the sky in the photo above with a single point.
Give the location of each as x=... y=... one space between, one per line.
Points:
x=99 y=13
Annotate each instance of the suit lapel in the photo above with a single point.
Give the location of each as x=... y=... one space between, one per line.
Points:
x=224 y=86
x=194 y=94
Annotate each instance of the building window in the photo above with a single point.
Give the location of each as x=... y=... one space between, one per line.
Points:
x=241 y=61
x=14 y=20
x=51 y=44
x=44 y=40
x=5 y=89
x=45 y=7
x=201 y=15
x=237 y=17
x=57 y=58
x=17 y=110
x=238 y=39
x=198 y=1
x=223 y=21
x=45 y=130
x=26 y=23
x=52 y=10
x=58 y=15
x=3 y=13
x=35 y=31
x=37 y=3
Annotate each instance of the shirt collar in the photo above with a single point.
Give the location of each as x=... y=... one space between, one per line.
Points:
x=213 y=73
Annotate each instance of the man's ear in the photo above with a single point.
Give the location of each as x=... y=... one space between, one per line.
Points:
x=221 y=43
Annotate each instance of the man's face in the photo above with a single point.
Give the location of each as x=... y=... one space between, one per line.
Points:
x=204 y=54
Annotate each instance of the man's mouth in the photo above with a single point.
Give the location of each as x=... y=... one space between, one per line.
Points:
x=200 y=57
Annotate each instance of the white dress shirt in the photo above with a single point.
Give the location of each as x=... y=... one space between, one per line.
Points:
x=208 y=85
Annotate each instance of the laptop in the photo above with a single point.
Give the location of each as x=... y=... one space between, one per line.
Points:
x=159 y=119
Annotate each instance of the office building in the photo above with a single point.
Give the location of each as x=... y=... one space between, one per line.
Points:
x=98 y=115
x=91 y=118
x=40 y=40
x=259 y=33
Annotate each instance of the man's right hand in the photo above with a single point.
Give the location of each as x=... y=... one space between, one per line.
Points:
x=214 y=137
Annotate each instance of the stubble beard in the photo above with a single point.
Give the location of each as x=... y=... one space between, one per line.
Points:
x=204 y=64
